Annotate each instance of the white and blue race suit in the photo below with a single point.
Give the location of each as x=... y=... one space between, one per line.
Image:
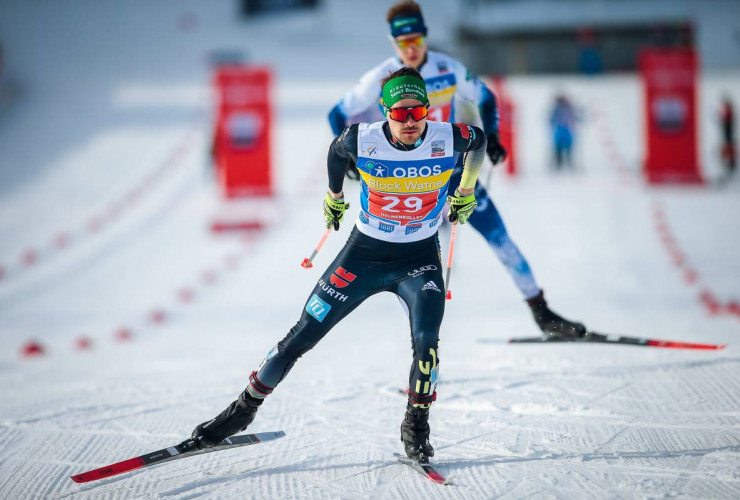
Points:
x=452 y=91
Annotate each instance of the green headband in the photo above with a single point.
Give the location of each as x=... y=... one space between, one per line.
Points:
x=404 y=87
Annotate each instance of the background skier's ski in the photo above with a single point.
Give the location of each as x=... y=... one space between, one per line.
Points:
x=599 y=338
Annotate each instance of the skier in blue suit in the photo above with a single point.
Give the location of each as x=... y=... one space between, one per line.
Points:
x=451 y=88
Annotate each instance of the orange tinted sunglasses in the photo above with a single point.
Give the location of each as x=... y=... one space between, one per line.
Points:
x=402 y=114
x=404 y=44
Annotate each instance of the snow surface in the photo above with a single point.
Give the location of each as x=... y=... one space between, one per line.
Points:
x=113 y=95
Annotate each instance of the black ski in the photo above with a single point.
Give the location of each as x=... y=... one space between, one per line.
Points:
x=424 y=469
x=600 y=338
x=185 y=449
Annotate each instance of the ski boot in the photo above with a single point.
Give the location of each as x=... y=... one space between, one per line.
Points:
x=233 y=419
x=554 y=326
x=415 y=434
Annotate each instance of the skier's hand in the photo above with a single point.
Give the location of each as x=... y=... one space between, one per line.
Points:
x=352 y=172
x=494 y=149
x=334 y=211
x=461 y=207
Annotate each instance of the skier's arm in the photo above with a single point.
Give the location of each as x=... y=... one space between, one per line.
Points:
x=488 y=110
x=470 y=141
x=342 y=148
x=337 y=120
x=364 y=95
x=471 y=88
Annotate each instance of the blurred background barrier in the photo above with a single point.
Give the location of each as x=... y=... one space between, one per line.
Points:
x=242 y=139
x=669 y=83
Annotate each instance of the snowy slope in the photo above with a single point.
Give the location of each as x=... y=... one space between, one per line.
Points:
x=511 y=421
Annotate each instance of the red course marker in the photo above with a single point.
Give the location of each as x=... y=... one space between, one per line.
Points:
x=123 y=335
x=83 y=343
x=32 y=349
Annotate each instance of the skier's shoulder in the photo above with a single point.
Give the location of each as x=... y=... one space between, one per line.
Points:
x=436 y=56
x=347 y=140
x=444 y=63
x=383 y=68
x=370 y=126
x=466 y=136
x=456 y=128
x=367 y=130
x=444 y=130
x=435 y=126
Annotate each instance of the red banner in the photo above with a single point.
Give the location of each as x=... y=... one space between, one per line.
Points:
x=669 y=83
x=241 y=146
x=506 y=124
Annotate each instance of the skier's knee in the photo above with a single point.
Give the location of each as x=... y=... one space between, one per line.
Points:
x=295 y=344
x=498 y=238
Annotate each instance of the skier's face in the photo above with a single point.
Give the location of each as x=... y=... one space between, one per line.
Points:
x=409 y=131
x=411 y=49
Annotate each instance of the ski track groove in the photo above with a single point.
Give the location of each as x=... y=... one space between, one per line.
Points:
x=607 y=444
x=276 y=463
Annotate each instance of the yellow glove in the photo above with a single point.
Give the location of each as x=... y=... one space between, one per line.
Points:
x=334 y=211
x=461 y=207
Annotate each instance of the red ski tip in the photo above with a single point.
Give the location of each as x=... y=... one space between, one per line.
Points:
x=436 y=477
x=449 y=295
x=306 y=263
x=110 y=470
x=685 y=345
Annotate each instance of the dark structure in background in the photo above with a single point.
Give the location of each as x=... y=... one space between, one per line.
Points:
x=250 y=8
x=591 y=36
x=588 y=50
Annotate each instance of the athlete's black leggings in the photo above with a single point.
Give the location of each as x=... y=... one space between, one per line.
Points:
x=366 y=266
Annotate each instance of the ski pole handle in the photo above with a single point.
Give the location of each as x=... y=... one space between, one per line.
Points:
x=307 y=262
x=450 y=253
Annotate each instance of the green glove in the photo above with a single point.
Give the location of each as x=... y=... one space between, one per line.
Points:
x=334 y=211
x=461 y=207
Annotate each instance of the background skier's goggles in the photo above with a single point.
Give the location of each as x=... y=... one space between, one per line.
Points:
x=404 y=44
x=402 y=114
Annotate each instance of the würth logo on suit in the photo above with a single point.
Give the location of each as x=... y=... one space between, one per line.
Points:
x=341 y=278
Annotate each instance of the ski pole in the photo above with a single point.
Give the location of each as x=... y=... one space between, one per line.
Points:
x=488 y=178
x=450 y=253
x=307 y=261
